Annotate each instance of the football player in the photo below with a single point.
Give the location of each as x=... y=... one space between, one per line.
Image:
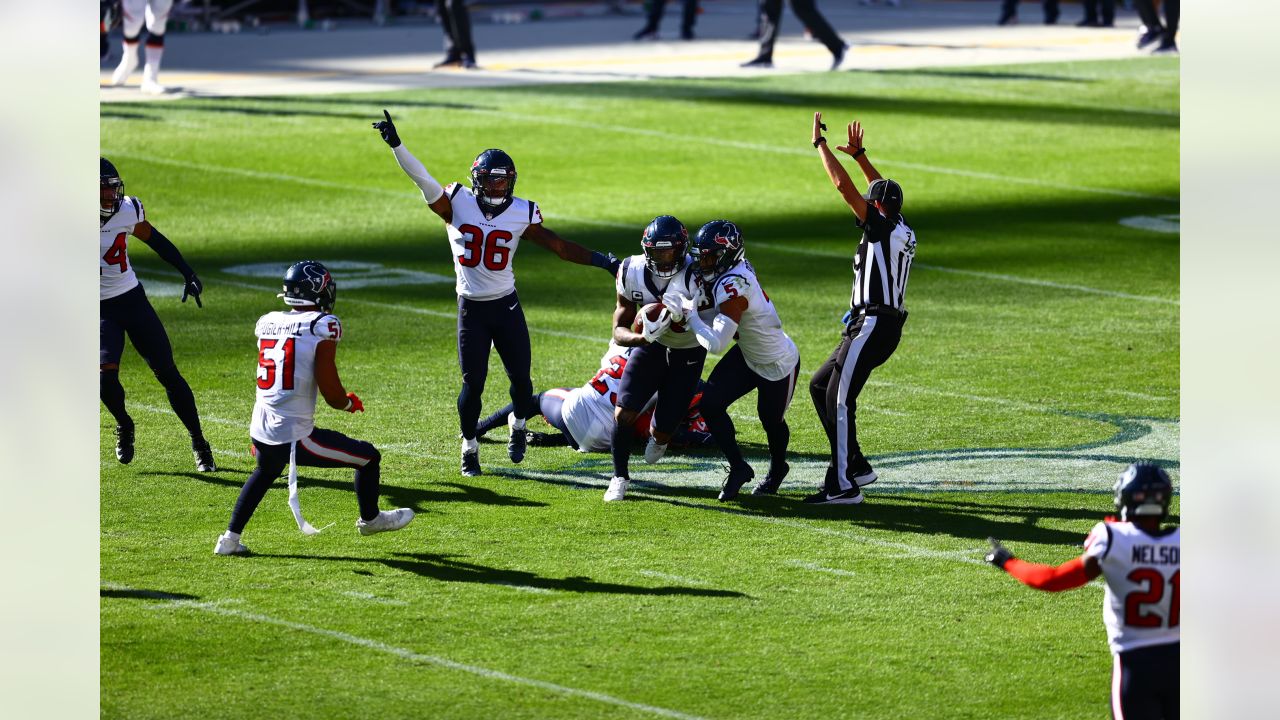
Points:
x=584 y=415
x=666 y=359
x=764 y=358
x=156 y=15
x=1139 y=560
x=124 y=309
x=485 y=224
x=296 y=358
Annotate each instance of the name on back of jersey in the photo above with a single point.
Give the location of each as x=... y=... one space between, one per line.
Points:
x=1154 y=555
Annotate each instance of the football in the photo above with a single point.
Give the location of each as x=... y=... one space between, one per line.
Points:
x=652 y=311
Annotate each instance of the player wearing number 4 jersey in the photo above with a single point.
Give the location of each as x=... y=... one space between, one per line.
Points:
x=1140 y=562
x=296 y=351
x=123 y=309
x=485 y=225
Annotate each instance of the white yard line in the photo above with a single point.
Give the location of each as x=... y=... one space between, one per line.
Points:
x=671 y=578
x=372 y=598
x=416 y=657
x=1138 y=395
x=818 y=568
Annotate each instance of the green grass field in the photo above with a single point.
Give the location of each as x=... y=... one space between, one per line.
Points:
x=1040 y=357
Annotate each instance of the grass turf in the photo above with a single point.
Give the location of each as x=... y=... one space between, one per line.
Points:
x=1040 y=356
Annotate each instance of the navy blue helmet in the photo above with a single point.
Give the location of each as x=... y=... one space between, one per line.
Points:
x=308 y=283
x=717 y=248
x=664 y=243
x=493 y=180
x=112 y=189
x=1143 y=490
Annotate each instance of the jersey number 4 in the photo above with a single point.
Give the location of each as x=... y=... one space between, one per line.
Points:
x=267 y=368
x=1135 y=612
x=117 y=254
x=489 y=249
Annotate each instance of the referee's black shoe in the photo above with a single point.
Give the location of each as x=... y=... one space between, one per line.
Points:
x=852 y=496
x=772 y=481
x=733 y=482
x=863 y=473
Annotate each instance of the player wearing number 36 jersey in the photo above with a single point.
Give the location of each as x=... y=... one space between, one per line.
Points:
x=485 y=225
x=296 y=361
x=1140 y=562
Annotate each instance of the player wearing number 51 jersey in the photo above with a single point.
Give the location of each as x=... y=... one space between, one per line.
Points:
x=296 y=361
x=485 y=225
x=1140 y=562
x=123 y=309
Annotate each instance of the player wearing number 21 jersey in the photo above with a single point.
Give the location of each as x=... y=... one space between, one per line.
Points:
x=1140 y=562
x=296 y=362
x=485 y=225
x=124 y=309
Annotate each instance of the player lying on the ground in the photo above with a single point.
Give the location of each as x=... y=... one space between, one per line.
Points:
x=584 y=415
x=763 y=357
x=296 y=357
x=124 y=309
x=1139 y=560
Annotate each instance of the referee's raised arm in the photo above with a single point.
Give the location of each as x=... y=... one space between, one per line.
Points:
x=856 y=150
x=836 y=172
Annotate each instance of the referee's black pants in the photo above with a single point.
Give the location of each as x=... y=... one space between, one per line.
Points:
x=867 y=343
x=771 y=20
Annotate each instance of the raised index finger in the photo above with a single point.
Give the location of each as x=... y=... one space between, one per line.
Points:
x=386 y=114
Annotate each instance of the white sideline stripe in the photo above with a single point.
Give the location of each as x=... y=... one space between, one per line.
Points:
x=818 y=568
x=371 y=598
x=527 y=588
x=669 y=577
x=630 y=226
x=1138 y=395
x=972 y=273
x=203 y=418
x=422 y=658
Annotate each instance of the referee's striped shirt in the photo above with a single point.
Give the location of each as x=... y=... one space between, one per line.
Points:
x=883 y=263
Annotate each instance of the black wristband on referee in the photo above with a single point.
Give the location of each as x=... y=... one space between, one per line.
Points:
x=819 y=141
x=860 y=152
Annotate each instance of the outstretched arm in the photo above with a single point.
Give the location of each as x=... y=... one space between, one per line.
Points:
x=568 y=250
x=147 y=233
x=1050 y=578
x=856 y=150
x=836 y=172
x=432 y=192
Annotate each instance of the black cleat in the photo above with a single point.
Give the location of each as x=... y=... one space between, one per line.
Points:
x=204 y=455
x=124 y=444
x=471 y=464
x=516 y=444
x=1167 y=47
x=838 y=58
x=646 y=33
x=737 y=477
x=1149 y=37
x=759 y=62
x=772 y=481
x=851 y=496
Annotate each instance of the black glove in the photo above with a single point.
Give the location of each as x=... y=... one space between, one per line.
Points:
x=388 y=130
x=193 y=287
x=999 y=554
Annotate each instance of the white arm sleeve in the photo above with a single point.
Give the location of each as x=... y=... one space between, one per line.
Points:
x=431 y=190
x=716 y=336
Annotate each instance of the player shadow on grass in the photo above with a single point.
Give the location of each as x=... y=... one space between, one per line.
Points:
x=418 y=499
x=134 y=594
x=446 y=569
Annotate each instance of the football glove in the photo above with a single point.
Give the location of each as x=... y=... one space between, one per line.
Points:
x=999 y=554
x=193 y=288
x=388 y=130
x=654 y=328
x=606 y=261
x=353 y=403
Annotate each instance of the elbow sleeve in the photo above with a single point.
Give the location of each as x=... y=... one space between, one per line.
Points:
x=716 y=336
x=431 y=190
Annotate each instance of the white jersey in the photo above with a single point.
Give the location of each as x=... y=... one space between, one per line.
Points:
x=115 y=271
x=588 y=410
x=484 y=248
x=769 y=352
x=1142 y=574
x=642 y=287
x=286 y=405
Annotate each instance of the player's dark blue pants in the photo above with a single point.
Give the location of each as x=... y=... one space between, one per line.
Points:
x=1144 y=683
x=671 y=373
x=548 y=405
x=322 y=448
x=729 y=381
x=499 y=323
x=131 y=314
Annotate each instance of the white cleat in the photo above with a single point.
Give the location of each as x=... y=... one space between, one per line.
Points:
x=617 y=489
x=653 y=452
x=150 y=85
x=229 y=544
x=127 y=65
x=386 y=521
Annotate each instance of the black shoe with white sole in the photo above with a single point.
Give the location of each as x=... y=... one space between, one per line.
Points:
x=772 y=481
x=863 y=473
x=733 y=482
x=124 y=444
x=203 y=455
x=471 y=464
x=516 y=445
x=851 y=496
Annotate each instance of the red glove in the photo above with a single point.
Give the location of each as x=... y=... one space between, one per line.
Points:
x=354 y=405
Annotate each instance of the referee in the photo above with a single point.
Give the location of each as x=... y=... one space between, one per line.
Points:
x=874 y=323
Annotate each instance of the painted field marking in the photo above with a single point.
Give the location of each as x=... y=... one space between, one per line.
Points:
x=1138 y=395
x=526 y=588
x=372 y=598
x=670 y=578
x=818 y=568
x=353 y=273
x=410 y=655
x=1167 y=224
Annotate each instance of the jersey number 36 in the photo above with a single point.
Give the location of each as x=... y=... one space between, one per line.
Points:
x=477 y=248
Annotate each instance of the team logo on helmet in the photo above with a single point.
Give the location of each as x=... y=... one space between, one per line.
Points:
x=316 y=276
